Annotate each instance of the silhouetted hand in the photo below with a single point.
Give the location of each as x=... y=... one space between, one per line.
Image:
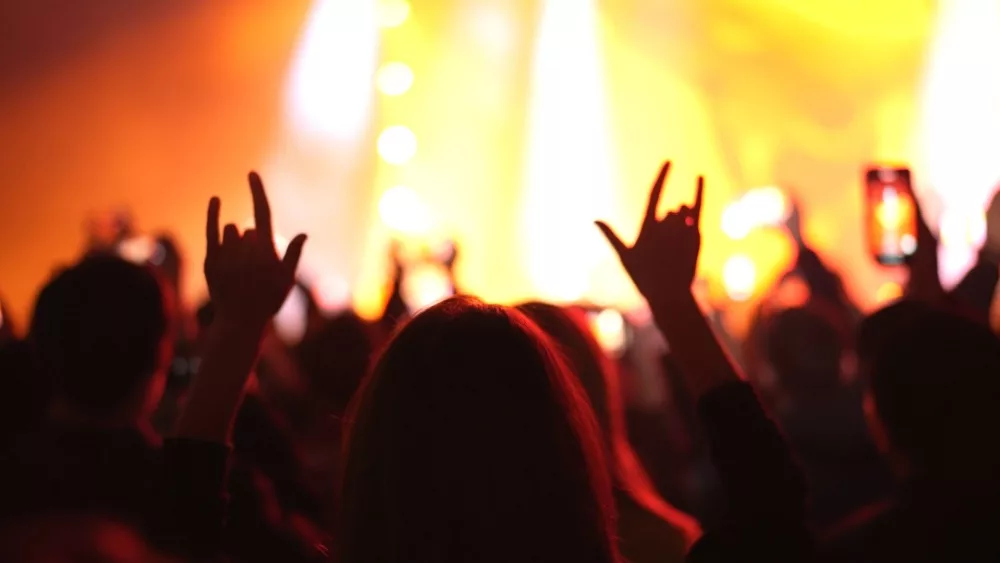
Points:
x=247 y=280
x=924 y=282
x=663 y=259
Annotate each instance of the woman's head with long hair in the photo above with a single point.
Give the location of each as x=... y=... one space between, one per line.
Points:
x=471 y=441
x=569 y=330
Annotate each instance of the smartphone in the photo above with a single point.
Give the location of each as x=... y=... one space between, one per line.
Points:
x=891 y=215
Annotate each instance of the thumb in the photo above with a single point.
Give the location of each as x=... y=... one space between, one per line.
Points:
x=293 y=253
x=609 y=234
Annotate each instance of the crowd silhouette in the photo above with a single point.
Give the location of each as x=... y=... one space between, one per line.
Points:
x=139 y=430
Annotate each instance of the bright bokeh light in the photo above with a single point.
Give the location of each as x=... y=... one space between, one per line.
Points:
x=397 y=144
x=392 y=13
x=766 y=206
x=739 y=276
x=402 y=210
x=960 y=137
x=424 y=285
x=568 y=182
x=609 y=329
x=394 y=79
x=736 y=224
x=331 y=87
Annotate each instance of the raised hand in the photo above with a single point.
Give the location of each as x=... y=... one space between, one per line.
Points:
x=247 y=280
x=924 y=282
x=663 y=260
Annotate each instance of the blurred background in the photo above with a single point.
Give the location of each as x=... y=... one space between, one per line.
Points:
x=506 y=126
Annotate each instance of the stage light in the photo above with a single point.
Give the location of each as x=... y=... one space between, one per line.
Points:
x=609 y=330
x=736 y=224
x=568 y=176
x=393 y=13
x=397 y=144
x=394 y=79
x=402 y=210
x=960 y=124
x=330 y=87
x=739 y=275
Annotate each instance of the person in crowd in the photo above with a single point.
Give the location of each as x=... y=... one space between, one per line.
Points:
x=334 y=360
x=100 y=336
x=765 y=517
x=649 y=529
x=820 y=412
x=471 y=441
x=933 y=399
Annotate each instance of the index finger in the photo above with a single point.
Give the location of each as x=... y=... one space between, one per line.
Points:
x=261 y=208
x=212 y=227
x=654 y=195
x=699 y=196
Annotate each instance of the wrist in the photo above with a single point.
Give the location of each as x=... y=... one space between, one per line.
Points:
x=234 y=328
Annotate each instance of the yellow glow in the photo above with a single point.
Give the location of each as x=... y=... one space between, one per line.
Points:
x=739 y=275
x=402 y=210
x=397 y=144
x=568 y=181
x=394 y=79
x=887 y=292
x=393 y=13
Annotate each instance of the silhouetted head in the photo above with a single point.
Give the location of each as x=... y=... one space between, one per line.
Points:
x=470 y=441
x=101 y=335
x=336 y=357
x=804 y=348
x=933 y=385
x=569 y=332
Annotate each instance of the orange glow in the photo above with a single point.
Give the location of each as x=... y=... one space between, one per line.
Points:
x=747 y=92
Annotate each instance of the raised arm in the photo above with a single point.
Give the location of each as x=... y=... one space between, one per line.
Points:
x=765 y=490
x=248 y=282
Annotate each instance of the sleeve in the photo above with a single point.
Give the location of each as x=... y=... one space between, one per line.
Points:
x=195 y=492
x=765 y=491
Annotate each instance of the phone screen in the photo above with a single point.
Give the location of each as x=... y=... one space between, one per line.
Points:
x=891 y=215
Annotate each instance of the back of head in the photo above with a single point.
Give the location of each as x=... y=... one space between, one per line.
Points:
x=569 y=332
x=470 y=441
x=99 y=332
x=934 y=376
x=804 y=347
x=335 y=358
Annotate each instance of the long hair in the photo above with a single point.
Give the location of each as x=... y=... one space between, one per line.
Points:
x=470 y=441
x=600 y=379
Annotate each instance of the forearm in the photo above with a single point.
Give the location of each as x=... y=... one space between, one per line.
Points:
x=217 y=392
x=703 y=361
